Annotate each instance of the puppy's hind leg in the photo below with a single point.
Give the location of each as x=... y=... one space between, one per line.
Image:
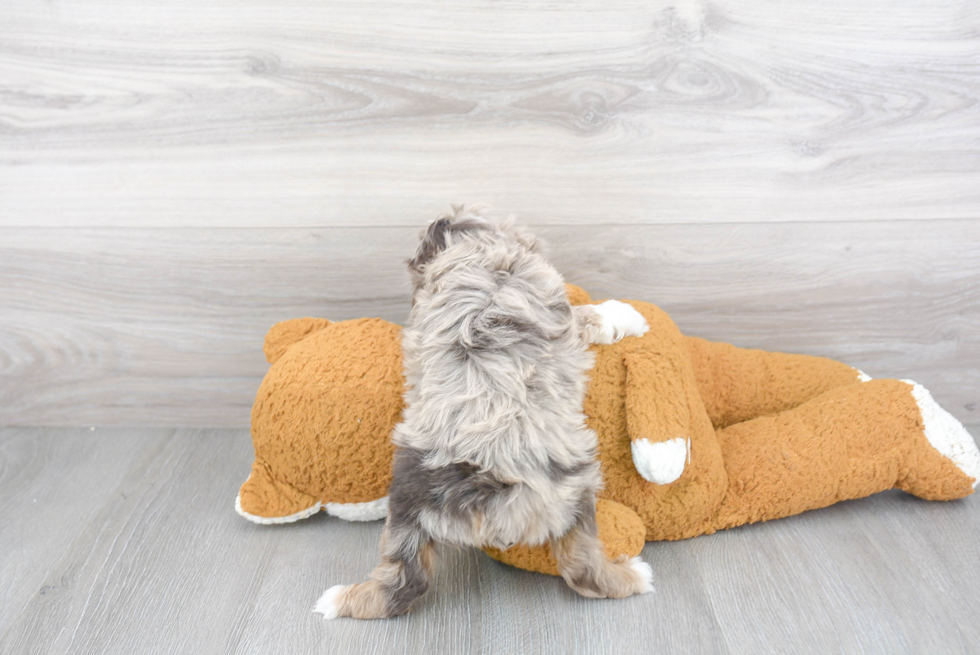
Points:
x=402 y=577
x=588 y=571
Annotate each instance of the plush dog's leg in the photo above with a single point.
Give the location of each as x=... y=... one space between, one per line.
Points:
x=850 y=442
x=608 y=322
x=403 y=576
x=739 y=384
x=586 y=568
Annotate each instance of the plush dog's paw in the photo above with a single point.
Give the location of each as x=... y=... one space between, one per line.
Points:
x=661 y=462
x=946 y=434
x=329 y=603
x=619 y=320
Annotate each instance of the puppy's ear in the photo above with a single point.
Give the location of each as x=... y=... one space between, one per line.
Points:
x=440 y=234
x=432 y=241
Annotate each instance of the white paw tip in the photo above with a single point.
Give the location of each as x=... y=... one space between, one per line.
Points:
x=662 y=462
x=328 y=605
x=946 y=434
x=369 y=511
x=645 y=573
x=862 y=376
x=619 y=320
x=275 y=520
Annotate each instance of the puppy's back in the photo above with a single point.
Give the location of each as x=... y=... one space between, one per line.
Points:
x=495 y=366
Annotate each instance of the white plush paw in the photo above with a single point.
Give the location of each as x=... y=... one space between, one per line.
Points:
x=371 y=510
x=645 y=573
x=619 y=320
x=946 y=434
x=661 y=462
x=329 y=603
x=272 y=520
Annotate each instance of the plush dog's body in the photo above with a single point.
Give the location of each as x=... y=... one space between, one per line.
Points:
x=493 y=449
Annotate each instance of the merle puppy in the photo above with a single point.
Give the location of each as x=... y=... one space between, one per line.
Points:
x=493 y=449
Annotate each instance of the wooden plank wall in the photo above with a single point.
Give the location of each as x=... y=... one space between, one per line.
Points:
x=176 y=177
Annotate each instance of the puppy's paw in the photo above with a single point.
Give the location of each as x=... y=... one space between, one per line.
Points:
x=661 y=462
x=644 y=575
x=329 y=603
x=619 y=320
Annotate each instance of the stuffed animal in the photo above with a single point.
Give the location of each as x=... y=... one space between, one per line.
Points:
x=694 y=436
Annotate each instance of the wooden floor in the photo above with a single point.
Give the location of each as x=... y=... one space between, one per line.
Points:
x=125 y=541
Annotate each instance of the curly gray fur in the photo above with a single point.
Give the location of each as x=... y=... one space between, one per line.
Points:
x=496 y=366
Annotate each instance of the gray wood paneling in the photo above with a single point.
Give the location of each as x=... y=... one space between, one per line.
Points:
x=154 y=560
x=165 y=327
x=138 y=141
x=631 y=111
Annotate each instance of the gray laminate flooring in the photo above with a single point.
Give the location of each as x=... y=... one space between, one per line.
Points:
x=125 y=541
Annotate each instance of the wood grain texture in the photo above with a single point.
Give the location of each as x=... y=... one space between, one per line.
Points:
x=890 y=598
x=52 y=485
x=155 y=560
x=165 y=327
x=311 y=114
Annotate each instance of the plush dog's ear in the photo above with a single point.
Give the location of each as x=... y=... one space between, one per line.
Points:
x=282 y=335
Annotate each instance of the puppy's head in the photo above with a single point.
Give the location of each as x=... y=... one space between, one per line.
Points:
x=464 y=224
x=442 y=233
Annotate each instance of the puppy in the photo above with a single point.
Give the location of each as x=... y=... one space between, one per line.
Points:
x=493 y=448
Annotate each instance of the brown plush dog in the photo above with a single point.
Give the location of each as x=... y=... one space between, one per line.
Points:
x=694 y=436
